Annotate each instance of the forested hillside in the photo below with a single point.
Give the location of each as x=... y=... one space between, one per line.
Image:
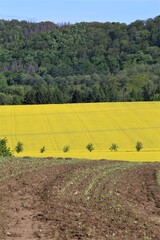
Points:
x=84 y=62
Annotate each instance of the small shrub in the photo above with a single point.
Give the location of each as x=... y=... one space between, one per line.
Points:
x=26 y=157
x=43 y=149
x=114 y=147
x=19 y=147
x=66 y=148
x=4 y=150
x=90 y=147
x=139 y=146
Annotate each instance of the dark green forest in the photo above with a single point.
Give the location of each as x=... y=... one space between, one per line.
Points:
x=84 y=62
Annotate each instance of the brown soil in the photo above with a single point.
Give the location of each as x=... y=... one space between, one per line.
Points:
x=81 y=200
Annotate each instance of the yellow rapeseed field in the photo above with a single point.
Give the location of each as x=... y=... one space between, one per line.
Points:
x=76 y=125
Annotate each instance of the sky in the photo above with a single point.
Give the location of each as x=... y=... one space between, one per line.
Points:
x=73 y=11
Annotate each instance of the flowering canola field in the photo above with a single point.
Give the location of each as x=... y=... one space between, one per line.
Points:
x=76 y=125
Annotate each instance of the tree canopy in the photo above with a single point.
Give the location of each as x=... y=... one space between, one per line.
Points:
x=83 y=62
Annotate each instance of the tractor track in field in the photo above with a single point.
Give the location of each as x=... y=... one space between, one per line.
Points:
x=81 y=200
x=83 y=131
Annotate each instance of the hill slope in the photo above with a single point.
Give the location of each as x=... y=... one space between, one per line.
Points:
x=76 y=125
x=85 y=62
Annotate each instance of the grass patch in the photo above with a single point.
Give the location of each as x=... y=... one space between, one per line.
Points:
x=13 y=167
x=106 y=171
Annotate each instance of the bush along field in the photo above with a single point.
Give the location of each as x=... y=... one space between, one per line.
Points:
x=118 y=131
x=64 y=198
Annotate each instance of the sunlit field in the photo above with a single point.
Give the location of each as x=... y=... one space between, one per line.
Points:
x=76 y=125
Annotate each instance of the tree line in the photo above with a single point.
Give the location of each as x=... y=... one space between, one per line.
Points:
x=84 y=62
x=6 y=151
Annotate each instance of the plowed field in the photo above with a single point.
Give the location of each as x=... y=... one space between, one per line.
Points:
x=79 y=199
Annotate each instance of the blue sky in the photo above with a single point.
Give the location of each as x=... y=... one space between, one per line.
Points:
x=73 y=11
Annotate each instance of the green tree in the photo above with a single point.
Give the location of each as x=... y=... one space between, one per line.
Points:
x=19 y=147
x=4 y=150
x=90 y=147
x=66 y=148
x=139 y=146
x=3 y=82
x=42 y=149
x=114 y=147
